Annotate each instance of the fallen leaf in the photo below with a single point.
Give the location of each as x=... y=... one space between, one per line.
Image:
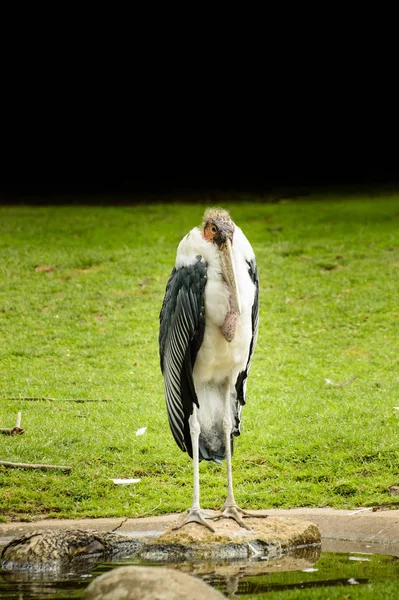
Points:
x=44 y=269
x=144 y=282
x=327 y=268
x=92 y=269
x=125 y=481
x=355 y=512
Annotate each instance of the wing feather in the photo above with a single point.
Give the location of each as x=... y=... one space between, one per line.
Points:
x=241 y=383
x=182 y=325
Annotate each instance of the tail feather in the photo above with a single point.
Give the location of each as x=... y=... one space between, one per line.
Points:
x=216 y=456
x=212 y=444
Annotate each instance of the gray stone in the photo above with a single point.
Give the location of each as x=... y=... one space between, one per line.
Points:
x=149 y=583
x=54 y=550
x=267 y=538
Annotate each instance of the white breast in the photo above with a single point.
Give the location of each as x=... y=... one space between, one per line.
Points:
x=218 y=359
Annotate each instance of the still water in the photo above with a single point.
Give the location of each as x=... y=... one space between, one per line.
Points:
x=301 y=569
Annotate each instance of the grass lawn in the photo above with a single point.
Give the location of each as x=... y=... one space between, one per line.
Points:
x=336 y=577
x=80 y=294
x=385 y=591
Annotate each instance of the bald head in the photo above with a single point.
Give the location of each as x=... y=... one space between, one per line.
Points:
x=217 y=226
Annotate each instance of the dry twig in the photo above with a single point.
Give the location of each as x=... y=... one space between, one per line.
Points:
x=351 y=380
x=16 y=430
x=12 y=465
x=150 y=511
x=46 y=399
x=120 y=525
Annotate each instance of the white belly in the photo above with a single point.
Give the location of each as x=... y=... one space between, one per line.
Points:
x=217 y=359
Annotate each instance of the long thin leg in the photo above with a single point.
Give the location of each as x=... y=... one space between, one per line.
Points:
x=230 y=508
x=227 y=427
x=195 y=514
x=195 y=431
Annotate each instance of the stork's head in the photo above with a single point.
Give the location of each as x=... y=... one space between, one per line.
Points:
x=218 y=226
x=218 y=229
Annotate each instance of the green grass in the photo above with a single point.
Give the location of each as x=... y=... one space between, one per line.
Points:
x=387 y=591
x=336 y=578
x=80 y=294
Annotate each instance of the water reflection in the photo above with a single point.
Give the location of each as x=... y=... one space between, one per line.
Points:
x=301 y=569
x=231 y=576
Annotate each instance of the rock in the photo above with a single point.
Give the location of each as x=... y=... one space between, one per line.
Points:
x=149 y=583
x=268 y=538
x=53 y=550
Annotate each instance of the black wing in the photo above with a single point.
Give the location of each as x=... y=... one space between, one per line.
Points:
x=182 y=326
x=241 y=383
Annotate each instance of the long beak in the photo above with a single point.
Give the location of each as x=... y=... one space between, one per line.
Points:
x=228 y=270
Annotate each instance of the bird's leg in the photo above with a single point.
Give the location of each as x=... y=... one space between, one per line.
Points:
x=195 y=513
x=230 y=508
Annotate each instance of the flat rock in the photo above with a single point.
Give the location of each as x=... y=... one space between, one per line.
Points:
x=267 y=538
x=53 y=550
x=149 y=583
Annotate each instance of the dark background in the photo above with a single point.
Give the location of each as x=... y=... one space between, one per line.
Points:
x=254 y=118
x=129 y=189
x=139 y=164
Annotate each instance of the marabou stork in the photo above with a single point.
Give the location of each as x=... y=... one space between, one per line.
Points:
x=208 y=332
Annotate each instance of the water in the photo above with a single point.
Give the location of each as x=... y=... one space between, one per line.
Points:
x=302 y=569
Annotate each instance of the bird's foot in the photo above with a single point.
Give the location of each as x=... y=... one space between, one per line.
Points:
x=196 y=515
x=232 y=511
